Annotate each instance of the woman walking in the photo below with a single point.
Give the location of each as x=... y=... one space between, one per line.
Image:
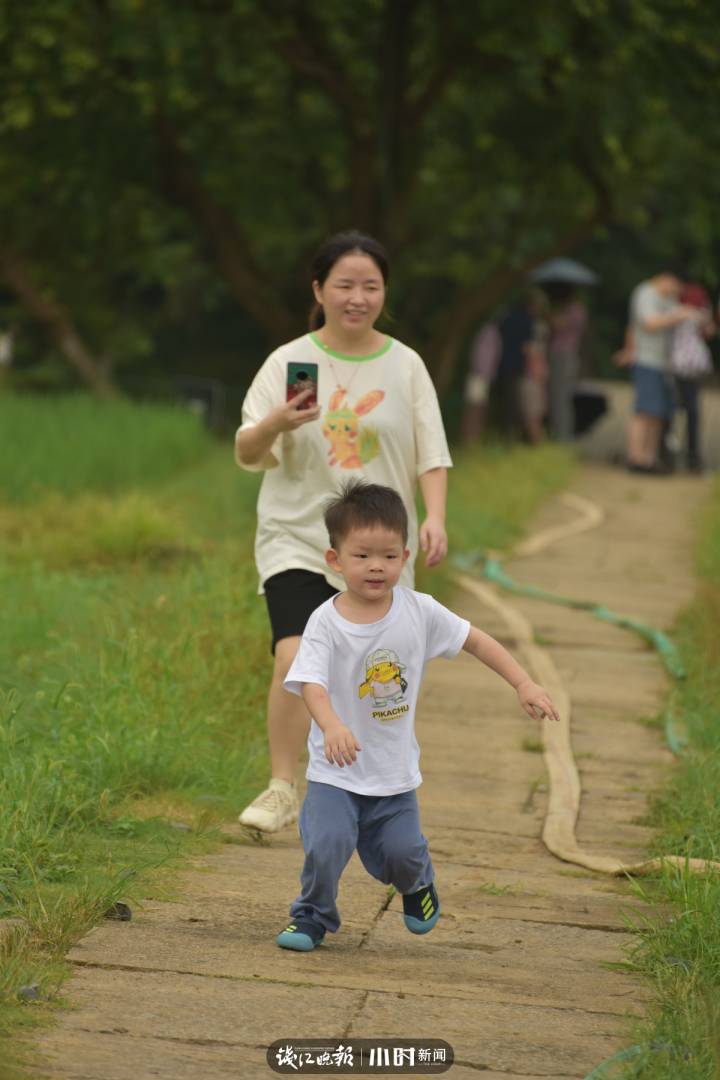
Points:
x=568 y=322
x=691 y=363
x=377 y=416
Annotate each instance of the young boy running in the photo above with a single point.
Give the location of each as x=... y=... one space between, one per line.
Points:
x=359 y=669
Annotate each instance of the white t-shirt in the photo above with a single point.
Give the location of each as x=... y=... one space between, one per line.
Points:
x=387 y=428
x=652 y=347
x=372 y=673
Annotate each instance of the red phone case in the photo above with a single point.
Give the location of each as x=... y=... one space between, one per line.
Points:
x=302 y=377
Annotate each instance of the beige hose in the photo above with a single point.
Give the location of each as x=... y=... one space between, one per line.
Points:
x=590 y=516
x=564 y=782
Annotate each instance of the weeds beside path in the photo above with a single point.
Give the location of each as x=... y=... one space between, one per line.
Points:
x=678 y=950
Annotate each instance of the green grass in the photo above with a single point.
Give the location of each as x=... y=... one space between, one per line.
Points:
x=493 y=492
x=134 y=656
x=70 y=444
x=134 y=662
x=532 y=746
x=678 y=948
x=492 y=889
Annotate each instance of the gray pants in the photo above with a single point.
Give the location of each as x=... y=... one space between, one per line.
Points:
x=563 y=374
x=384 y=829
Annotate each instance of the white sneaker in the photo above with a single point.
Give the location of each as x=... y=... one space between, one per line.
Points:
x=273 y=809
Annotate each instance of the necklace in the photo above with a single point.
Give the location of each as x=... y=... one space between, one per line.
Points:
x=340 y=388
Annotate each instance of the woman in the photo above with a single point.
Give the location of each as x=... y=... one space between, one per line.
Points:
x=691 y=362
x=378 y=417
x=568 y=322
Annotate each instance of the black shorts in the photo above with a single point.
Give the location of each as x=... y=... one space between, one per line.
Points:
x=291 y=597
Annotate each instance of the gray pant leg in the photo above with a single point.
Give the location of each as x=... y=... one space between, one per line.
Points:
x=390 y=844
x=563 y=369
x=329 y=831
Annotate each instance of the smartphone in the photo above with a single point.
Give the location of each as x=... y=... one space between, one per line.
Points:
x=302 y=377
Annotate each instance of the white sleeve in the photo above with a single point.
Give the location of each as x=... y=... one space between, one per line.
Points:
x=648 y=304
x=312 y=661
x=266 y=392
x=446 y=631
x=431 y=448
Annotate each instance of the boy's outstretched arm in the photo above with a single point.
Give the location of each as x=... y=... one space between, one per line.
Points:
x=533 y=698
x=341 y=746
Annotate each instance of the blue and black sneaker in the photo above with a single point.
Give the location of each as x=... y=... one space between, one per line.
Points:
x=421 y=910
x=301 y=934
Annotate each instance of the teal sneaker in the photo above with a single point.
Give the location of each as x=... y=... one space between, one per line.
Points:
x=302 y=935
x=421 y=910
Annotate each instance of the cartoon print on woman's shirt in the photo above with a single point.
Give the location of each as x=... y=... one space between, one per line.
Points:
x=383 y=678
x=351 y=445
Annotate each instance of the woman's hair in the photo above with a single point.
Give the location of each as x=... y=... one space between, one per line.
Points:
x=362 y=505
x=344 y=243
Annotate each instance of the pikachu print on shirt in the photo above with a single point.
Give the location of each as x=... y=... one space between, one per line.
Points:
x=385 y=684
x=352 y=444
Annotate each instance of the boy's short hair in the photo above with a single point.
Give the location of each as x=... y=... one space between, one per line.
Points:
x=362 y=505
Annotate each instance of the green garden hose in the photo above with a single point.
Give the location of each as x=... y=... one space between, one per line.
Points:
x=492 y=569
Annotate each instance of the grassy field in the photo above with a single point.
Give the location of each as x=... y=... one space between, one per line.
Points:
x=678 y=950
x=134 y=657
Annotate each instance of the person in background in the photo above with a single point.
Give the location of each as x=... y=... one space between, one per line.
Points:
x=7 y=344
x=691 y=362
x=655 y=311
x=521 y=336
x=484 y=359
x=534 y=382
x=568 y=322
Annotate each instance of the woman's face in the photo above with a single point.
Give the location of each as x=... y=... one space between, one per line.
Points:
x=353 y=294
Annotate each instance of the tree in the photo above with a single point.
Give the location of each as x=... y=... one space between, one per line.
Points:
x=475 y=140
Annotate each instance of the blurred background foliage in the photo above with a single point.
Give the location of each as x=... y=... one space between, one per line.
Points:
x=166 y=171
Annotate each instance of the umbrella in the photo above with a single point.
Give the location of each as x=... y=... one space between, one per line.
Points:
x=566 y=271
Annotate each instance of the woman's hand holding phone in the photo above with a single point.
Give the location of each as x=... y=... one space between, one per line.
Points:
x=291 y=415
x=255 y=442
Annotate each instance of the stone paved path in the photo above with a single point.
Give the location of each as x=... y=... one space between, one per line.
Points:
x=515 y=976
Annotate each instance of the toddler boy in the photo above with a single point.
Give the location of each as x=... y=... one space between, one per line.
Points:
x=359 y=669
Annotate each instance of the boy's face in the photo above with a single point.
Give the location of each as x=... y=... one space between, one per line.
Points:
x=370 y=560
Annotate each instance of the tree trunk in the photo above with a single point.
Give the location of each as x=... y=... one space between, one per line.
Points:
x=395 y=137
x=224 y=237
x=59 y=325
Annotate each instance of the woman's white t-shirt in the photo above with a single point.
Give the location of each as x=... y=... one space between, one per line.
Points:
x=372 y=673
x=387 y=428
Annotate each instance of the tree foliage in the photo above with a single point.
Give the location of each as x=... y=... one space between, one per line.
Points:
x=161 y=160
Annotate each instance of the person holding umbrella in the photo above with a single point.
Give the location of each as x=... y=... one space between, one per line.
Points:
x=560 y=280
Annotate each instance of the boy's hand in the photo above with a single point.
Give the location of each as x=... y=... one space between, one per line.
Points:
x=536 y=701
x=341 y=746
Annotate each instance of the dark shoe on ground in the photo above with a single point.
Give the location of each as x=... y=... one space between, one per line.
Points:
x=421 y=910
x=658 y=469
x=696 y=466
x=301 y=935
